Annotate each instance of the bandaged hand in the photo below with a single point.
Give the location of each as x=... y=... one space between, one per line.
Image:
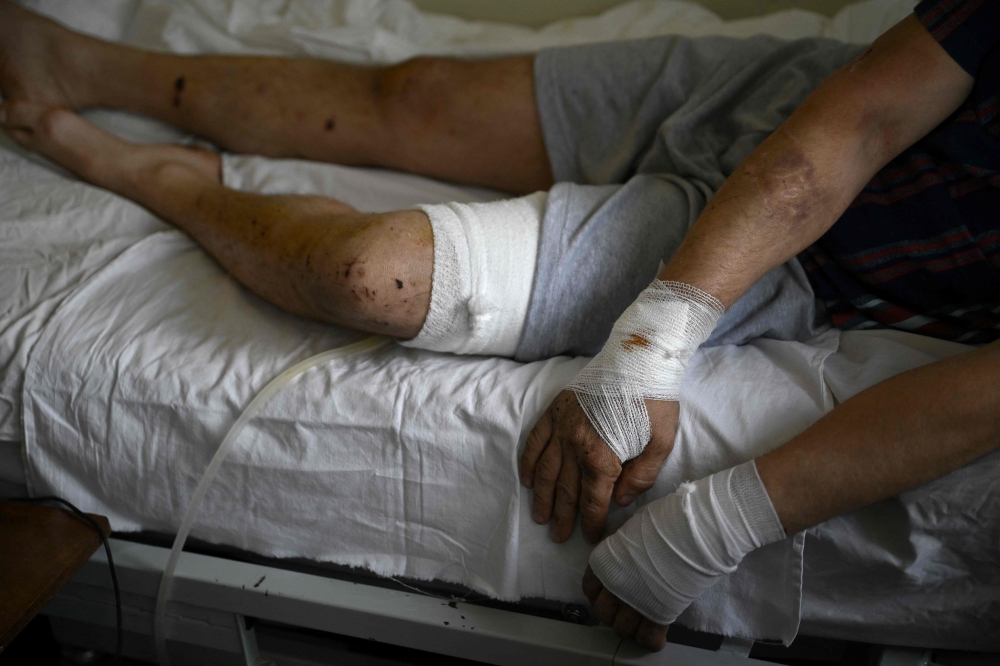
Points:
x=674 y=549
x=610 y=432
x=644 y=359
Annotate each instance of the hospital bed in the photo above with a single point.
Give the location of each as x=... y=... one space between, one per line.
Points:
x=376 y=496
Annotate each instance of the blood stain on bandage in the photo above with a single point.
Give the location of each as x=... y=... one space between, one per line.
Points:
x=178 y=90
x=634 y=341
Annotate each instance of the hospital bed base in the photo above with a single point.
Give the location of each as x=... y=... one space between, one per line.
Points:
x=216 y=602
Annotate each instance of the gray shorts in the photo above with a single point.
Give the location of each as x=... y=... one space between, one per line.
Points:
x=639 y=135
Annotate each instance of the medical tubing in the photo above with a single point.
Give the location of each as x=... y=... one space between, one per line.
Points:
x=223 y=451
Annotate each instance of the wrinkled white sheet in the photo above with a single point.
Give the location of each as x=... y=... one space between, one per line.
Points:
x=402 y=460
x=348 y=30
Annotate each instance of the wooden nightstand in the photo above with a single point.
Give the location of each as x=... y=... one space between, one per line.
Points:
x=40 y=549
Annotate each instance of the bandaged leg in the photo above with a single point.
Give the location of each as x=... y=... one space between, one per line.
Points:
x=484 y=266
x=677 y=547
x=644 y=358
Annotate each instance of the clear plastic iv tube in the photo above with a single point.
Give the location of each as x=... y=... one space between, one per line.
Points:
x=159 y=628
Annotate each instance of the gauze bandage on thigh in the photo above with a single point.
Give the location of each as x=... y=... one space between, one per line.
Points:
x=677 y=547
x=644 y=358
x=484 y=266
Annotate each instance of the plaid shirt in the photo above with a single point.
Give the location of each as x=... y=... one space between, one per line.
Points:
x=919 y=248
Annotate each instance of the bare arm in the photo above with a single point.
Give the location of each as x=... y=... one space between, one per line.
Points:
x=892 y=437
x=800 y=180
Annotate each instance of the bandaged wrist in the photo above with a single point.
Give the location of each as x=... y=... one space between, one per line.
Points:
x=644 y=358
x=677 y=547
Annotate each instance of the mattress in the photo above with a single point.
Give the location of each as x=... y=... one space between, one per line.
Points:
x=129 y=353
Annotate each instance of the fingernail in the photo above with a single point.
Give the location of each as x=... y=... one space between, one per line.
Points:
x=553 y=534
x=625 y=500
x=538 y=517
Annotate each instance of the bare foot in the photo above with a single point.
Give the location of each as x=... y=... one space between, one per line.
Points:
x=95 y=155
x=34 y=56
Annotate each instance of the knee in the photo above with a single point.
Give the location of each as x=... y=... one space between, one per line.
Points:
x=418 y=91
x=384 y=267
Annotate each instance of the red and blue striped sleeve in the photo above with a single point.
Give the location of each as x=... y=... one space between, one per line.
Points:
x=967 y=29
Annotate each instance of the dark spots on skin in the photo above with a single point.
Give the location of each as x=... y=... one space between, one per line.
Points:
x=446 y=624
x=399 y=284
x=331 y=122
x=253 y=223
x=792 y=161
x=350 y=267
x=635 y=341
x=178 y=89
x=265 y=593
x=300 y=115
x=308 y=260
x=452 y=604
x=463 y=617
x=257 y=584
x=261 y=88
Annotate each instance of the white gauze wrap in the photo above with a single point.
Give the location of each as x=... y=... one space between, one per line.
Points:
x=644 y=358
x=677 y=547
x=485 y=256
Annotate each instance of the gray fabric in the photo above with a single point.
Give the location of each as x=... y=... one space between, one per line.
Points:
x=639 y=134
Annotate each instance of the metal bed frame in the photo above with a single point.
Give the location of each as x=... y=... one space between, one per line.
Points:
x=224 y=611
x=217 y=602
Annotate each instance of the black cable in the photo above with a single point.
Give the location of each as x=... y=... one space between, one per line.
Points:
x=107 y=549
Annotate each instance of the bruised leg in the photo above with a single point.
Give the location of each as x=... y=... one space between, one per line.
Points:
x=466 y=121
x=309 y=255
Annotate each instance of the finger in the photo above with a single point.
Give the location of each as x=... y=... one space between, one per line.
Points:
x=592 y=585
x=597 y=485
x=566 y=500
x=546 y=473
x=651 y=636
x=640 y=473
x=606 y=607
x=538 y=438
x=626 y=621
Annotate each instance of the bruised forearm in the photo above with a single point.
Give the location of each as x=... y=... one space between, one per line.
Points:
x=892 y=437
x=800 y=180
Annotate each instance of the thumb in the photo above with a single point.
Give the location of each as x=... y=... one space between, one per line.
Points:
x=639 y=474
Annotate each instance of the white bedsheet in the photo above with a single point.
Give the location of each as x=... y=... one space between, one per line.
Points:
x=137 y=353
x=41 y=210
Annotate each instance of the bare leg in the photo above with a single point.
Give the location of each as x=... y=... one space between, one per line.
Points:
x=465 y=121
x=312 y=256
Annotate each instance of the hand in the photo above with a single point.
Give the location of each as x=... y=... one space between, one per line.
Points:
x=624 y=619
x=569 y=466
